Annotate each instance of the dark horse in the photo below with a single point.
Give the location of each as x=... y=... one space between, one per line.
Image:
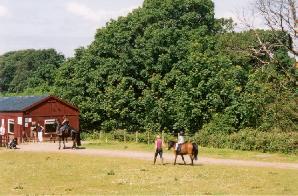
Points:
x=67 y=131
x=187 y=148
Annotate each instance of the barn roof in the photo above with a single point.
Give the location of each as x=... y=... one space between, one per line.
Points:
x=13 y=104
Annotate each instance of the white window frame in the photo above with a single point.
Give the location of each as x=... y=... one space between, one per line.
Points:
x=49 y=122
x=9 y=122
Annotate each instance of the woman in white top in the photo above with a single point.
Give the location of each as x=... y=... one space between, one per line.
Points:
x=180 y=139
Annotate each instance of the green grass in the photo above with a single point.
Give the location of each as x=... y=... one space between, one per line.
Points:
x=206 y=152
x=49 y=173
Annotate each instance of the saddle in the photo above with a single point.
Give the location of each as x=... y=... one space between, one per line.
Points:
x=179 y=148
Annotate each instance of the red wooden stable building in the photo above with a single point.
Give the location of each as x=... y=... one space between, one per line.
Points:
x=19 y=114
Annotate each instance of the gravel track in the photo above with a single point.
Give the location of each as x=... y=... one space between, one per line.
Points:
x=169 y=158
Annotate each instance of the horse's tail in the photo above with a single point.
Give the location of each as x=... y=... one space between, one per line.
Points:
x=195 y=150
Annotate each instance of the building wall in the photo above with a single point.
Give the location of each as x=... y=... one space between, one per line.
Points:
x=48 y=110
x=18 y=118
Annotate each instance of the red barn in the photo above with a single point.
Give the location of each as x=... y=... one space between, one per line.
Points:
x=19 y=114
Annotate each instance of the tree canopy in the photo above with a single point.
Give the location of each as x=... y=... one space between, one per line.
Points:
x=168 y=65
x=173 y=65
x=20 y=70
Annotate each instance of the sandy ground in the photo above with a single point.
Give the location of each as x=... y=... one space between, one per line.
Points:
x=169 y=158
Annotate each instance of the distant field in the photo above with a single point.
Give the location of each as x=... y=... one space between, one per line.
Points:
x=50 y=173
x=206 y=152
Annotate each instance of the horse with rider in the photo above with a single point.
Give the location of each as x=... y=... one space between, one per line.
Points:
x=64 y=130
x=184 y=148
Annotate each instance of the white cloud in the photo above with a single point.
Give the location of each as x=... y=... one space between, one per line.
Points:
x=3 y=11
x=95 y=15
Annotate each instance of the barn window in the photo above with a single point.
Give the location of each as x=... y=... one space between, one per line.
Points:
x=10 y=125
x=50 y=126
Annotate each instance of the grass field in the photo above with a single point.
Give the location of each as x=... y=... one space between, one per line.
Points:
x=48 y=173
x=206 y=152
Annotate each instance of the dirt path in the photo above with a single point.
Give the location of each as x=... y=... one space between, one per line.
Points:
x=51 y=147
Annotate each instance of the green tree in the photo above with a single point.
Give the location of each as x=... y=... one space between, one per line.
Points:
x=25 y=69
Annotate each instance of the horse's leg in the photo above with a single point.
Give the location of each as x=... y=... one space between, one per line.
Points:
x=63 y=138
x=175 y=159
x=191 y=158
x=75 y=141
x=183 y=159
x=74 y=144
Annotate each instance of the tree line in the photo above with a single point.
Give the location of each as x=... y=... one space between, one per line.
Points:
x=168 y=65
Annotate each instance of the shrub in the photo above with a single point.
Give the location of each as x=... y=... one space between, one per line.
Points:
x=250 y=139
x=246 y=139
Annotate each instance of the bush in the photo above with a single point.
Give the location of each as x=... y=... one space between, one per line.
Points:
x=250 y=139
x=245 y=139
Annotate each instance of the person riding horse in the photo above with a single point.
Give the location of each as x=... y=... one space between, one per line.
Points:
x=180 y=141
x=65 y=123
x=64 y=130
x=184 y=148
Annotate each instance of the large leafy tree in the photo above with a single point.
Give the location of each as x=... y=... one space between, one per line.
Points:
x=25 y=69
x=117 y=80
x=172 y=65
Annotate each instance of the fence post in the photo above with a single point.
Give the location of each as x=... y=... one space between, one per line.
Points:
x=136 y=136
x=162 y=136
x=100 y=134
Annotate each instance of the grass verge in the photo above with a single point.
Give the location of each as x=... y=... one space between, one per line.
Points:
x=50 y=173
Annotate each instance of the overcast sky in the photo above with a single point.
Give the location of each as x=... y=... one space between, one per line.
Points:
x=68 y=24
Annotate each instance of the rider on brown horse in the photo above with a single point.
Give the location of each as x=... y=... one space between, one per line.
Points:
x=181 y=148
x=180 y=142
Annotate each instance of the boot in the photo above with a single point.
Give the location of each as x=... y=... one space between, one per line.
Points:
x=154 y=160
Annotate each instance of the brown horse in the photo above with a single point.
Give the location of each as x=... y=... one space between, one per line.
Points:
x=187 y=148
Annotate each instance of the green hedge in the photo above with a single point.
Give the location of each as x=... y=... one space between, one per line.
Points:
x=246 y=139
x=251 y=140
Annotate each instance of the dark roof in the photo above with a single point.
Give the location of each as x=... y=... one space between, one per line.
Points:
x=14 y=104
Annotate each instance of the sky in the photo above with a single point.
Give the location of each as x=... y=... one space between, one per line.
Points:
x=69 y=24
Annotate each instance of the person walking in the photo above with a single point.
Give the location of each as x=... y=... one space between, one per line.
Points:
x=33 y=132
x=158 y=148
x=40 y=130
